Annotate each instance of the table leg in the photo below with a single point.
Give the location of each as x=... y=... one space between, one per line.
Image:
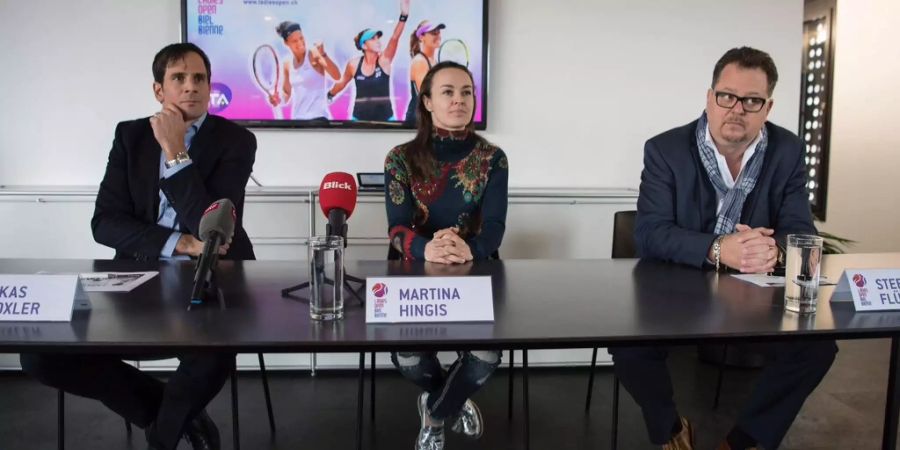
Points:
x=359 y=400
x=525 y=394
x=892 y=407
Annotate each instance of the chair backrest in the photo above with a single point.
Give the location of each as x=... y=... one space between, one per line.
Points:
x=623 y=235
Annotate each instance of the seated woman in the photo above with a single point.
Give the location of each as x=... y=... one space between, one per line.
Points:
x=446 y=196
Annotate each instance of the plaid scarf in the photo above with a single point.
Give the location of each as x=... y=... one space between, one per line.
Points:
x=733 y=199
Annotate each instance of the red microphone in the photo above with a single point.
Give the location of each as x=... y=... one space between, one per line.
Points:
x=337 y=197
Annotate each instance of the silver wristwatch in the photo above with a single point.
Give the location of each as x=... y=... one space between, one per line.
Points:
x=717 y=251
x=179 y=158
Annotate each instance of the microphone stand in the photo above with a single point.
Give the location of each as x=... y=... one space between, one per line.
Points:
x=347 y=277
x=211 y=290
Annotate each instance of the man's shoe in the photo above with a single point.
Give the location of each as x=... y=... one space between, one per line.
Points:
x=430 y=437
x=202 y=433
x=469 y=422
x=684 y=440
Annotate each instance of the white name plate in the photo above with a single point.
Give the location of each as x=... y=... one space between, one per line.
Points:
x=429 y=299
x=39 y=298
x=869 y=289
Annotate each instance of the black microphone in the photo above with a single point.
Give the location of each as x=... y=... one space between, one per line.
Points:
x=216 y=228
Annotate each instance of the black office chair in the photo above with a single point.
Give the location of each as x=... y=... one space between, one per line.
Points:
x=61 y=417
x=61 y=420
x=623 y=235
x=624 y=247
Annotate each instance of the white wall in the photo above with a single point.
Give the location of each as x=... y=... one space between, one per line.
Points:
x=865 y=146
x=576 y=86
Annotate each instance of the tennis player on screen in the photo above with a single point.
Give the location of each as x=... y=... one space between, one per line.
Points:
x=303 y=75
x=372 y=72
x=423 y=45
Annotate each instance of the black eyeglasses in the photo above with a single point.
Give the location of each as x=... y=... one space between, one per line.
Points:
x=750 y=104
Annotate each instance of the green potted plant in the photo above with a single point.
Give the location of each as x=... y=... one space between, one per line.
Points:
x=835 y=245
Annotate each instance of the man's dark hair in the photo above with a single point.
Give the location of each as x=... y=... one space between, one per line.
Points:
x=748 y=58
x=175 y=52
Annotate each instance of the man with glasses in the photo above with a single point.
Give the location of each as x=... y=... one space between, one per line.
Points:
x=722 y=193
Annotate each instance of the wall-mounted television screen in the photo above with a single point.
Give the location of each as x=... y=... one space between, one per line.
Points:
x=333 y=63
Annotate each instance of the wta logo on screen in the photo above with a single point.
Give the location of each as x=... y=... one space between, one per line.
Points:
x=219 y=97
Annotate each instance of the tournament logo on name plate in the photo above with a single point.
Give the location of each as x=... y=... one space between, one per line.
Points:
x=860 y=281
x=380 y=291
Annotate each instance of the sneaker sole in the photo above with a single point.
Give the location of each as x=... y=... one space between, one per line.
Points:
x=421 y=412
x=480 y=420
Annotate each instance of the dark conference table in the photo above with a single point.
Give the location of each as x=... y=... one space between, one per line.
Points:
x=537 y=304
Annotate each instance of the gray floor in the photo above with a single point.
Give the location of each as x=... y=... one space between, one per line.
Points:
x=846 y=412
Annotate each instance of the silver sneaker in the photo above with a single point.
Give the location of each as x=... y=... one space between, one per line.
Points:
x=468 y=421
x=430 y=437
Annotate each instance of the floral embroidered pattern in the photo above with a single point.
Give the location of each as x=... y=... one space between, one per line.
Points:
x=395 y=164
x=469 y=224
x=420 y=217
x=462 y=220
x=472 y=172
x=464 y=172
x=429 y=190
x=440 y=134
x=397 y=192
x=401 y=238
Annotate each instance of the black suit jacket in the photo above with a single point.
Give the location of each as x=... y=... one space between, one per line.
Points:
x=676 y=210
x=127 y=205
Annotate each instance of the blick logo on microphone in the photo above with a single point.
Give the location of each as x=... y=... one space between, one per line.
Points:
x=211 y=208
x=337 y=185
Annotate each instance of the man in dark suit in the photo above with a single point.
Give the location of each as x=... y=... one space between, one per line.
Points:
x=723 y=192
x=162 y=173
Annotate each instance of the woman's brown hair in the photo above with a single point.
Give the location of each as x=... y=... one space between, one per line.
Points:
x=419 y=151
